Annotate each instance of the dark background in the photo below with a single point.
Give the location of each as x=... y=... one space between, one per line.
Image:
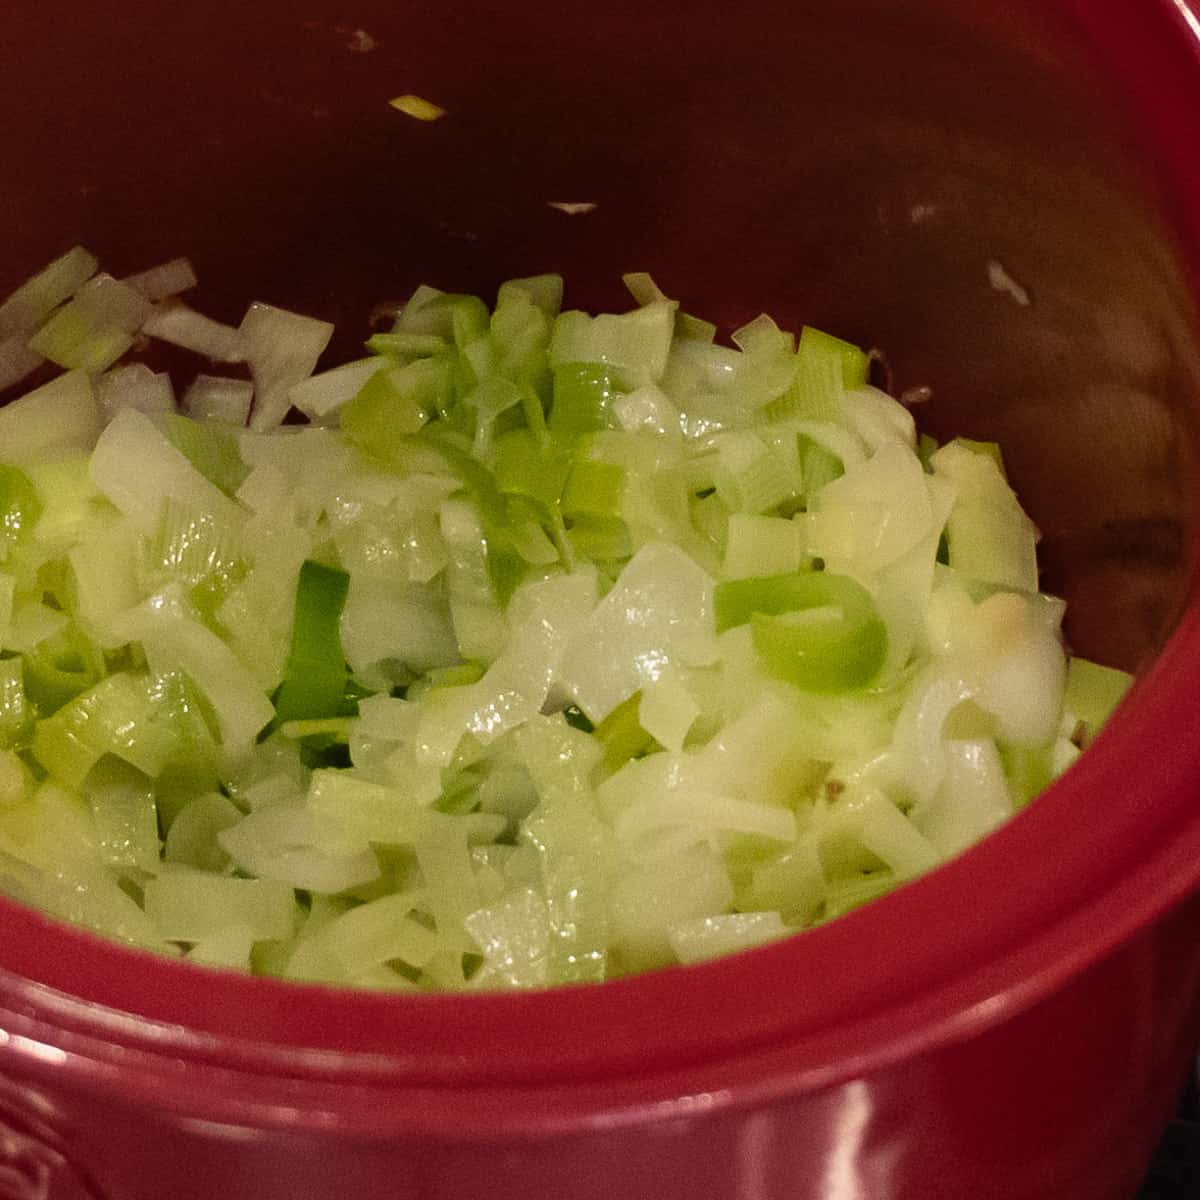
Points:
x=1175 y=1173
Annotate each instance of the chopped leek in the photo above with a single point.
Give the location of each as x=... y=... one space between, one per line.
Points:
x=19 y=508
x=34 y=301
x=818 y=630
x=315 y=682
x=555 y=647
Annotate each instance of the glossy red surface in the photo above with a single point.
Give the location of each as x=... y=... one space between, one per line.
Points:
x=1013 y=1026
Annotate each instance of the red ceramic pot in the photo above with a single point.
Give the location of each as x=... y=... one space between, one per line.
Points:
x=1007 y=199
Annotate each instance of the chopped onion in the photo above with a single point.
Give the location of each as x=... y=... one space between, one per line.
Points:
x=138 y=469
x=74 y=338
x=109 y=301
x=135 y=387
x=282 y=348
x=643 y=288
x=36 y=299
x=166 y=280
x=324 y=394
x=17 y=361
x=554 y=647
x=659 y=606
x=189 y=906
x=217 y=398
x=60 y=416
x=712 y=937
x=174 y=322
x=280 y=842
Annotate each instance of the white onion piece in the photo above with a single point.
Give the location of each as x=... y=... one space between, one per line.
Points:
x=167 y=279
x=660 y=604
x=878 y=419
x=918 y=738
x=902 y=592
x=408 y=622
x=135 y=387
x=380 y=931
x=1024 y=687
x=658 y=826
x=840 y=442
x=888 y=834
x=647 y=407
x=277 y=788
x=546 y=617
x=637 y=343
x=667 y=710
x=647 y=902
x=38 y=297
x=188 y=906
x=387 y=718
x=708 y=937
x=973 y=800
x=642 y=288
x=138 y=469
x=217 y=398
x=174 y=640
x=60 y=416
x=757 y=756
x=514 y=939
x=33 y=624
x=872 y=515
x=174 y=322
x=1011 y=648
x=17 y=361
x=280 y=842
x=229 y=948
x=282 y=348
x=760 y=332
x=108 y=301
x=324 y=394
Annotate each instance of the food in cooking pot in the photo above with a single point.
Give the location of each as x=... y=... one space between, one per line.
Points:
x=551 y=647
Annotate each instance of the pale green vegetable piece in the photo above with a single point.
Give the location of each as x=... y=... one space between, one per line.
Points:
x=229 y=947
x=126 y=816
x=989 y=536
x=192 y=838
x=658 y=611
x=57 y=418
x=1094 y=691
x=711 y=937
x=189 y=906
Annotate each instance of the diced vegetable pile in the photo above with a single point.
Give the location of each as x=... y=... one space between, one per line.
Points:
x=551 y=648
